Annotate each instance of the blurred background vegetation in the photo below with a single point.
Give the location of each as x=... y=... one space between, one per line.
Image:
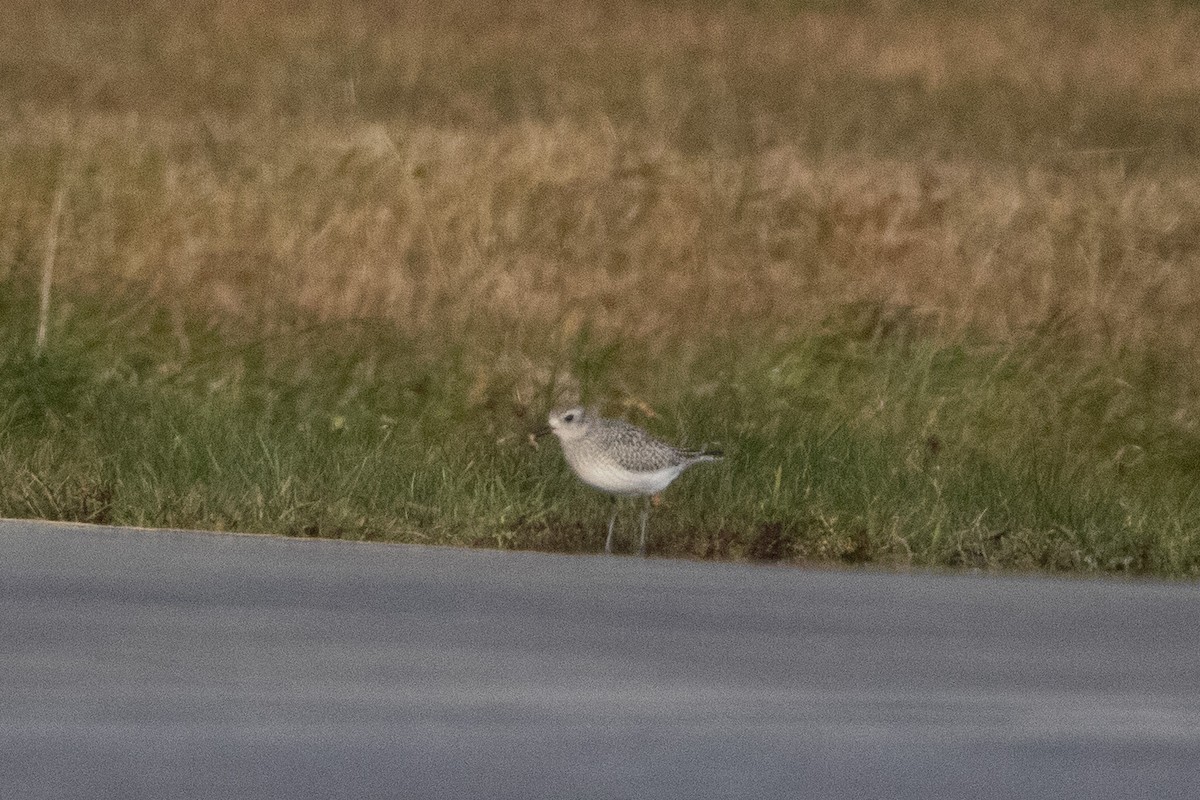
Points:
x=928 y=272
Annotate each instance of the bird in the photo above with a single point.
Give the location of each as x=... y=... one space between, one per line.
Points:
x=620 y=459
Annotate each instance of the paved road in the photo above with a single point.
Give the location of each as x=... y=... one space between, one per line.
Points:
x=140 y=664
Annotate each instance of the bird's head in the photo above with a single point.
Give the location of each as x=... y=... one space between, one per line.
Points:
x=567 y=424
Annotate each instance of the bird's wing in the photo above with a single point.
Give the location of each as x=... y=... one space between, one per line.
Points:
x=634 y=449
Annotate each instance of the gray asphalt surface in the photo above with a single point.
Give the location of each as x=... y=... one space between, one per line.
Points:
x=139 y=664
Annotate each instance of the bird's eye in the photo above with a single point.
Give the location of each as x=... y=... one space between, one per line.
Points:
x=569 y=418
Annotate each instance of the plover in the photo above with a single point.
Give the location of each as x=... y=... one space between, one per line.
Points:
x=620 y=459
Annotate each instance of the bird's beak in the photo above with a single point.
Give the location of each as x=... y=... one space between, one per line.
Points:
x=535 y=435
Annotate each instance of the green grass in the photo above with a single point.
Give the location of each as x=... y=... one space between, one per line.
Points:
x=844 y=445
x=928 y=273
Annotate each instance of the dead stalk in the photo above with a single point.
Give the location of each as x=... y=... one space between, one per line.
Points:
x=48 y=265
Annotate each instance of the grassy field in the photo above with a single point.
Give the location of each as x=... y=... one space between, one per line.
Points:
x=930 y=275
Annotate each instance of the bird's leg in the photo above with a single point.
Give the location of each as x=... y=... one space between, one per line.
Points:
x=645 y=518
x=612 y=520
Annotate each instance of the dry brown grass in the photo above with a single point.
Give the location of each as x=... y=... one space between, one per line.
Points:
x=661 y=172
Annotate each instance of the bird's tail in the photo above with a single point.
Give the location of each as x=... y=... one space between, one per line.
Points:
x=707 y=455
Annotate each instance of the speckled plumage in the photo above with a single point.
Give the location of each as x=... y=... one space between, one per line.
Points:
x=629 y=447
x=619 y=458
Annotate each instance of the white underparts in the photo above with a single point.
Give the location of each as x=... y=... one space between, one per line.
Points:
x=615 y=480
